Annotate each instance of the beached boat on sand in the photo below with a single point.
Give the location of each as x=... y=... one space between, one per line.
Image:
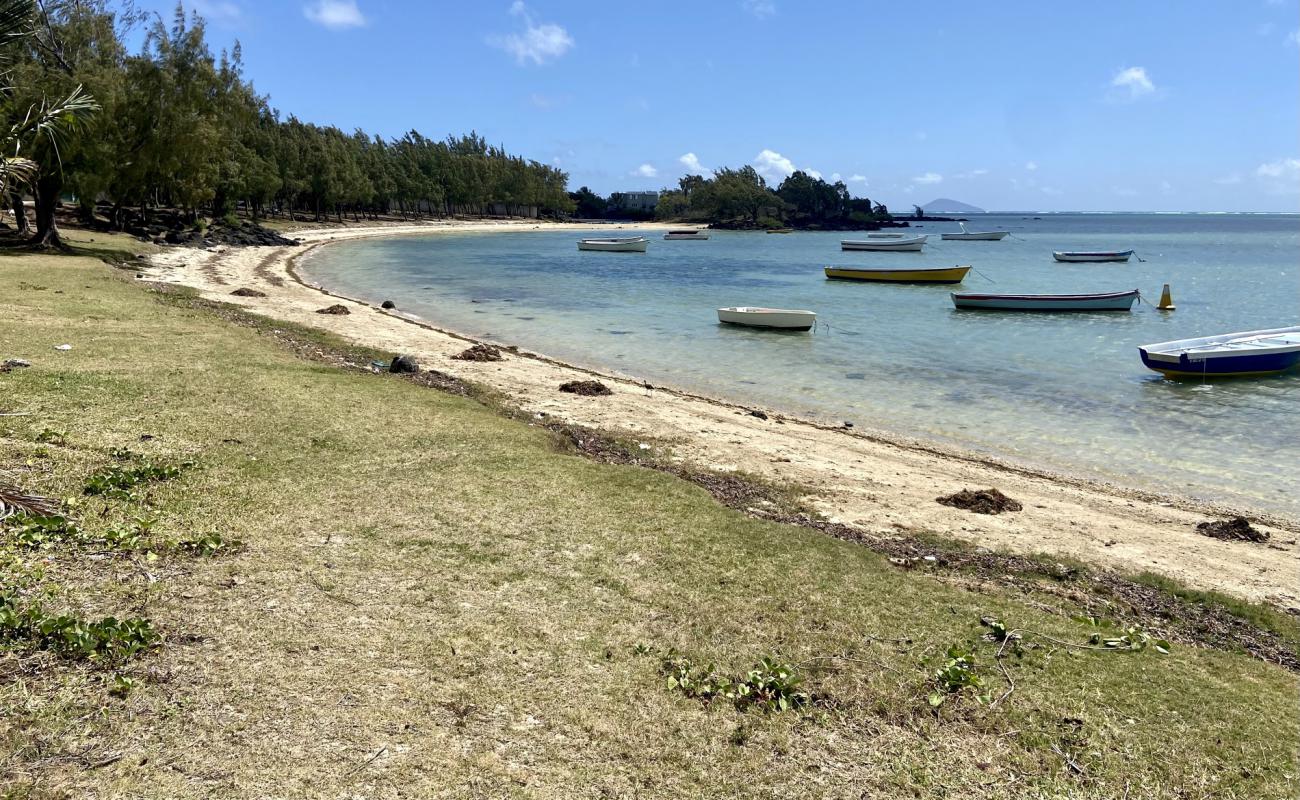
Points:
x=889 y=244
x=628 y=244
x=788 y=319
x=974 y=236
x=687 y=235
x=1101 y=301
x=1263 y=352
x=904 y=275
x=1092 y=255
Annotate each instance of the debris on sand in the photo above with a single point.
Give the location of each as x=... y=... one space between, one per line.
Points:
x=1237 y=529
x=756 y=413
x=388 y=304
x=246 y=292
x=981 y=501
x=479 y=352
x=337 y=309
x=586 y=388
x=404 y=364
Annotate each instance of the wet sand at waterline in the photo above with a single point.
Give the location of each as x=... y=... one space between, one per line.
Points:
x=879 y=482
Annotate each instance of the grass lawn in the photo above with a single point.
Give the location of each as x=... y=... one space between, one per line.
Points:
x=434 y=600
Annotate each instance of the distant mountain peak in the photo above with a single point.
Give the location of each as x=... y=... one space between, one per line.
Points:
x=945 y=206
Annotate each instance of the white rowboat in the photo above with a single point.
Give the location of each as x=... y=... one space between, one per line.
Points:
x=1092 y=255
x=890 y=244
x=1104 y=301
x=787 y=319
x=974 y=236
x=630 y=244
x=686 y=235
x=1263 y=352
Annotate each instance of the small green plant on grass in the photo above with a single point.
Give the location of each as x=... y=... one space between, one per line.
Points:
x=34 y=532
x=212 y=544
x=123 y=685
x=51 y=436
x=108 y=639
x=770 y=685
x=1133 y=638
x=959 y=673
x=119 y=482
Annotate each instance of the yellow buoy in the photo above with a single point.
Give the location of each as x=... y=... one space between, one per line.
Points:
x=1166 y=300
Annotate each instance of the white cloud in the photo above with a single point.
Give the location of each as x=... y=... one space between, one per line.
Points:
x=335 y=14
x=836 y=177
x=1135 y=80
x=220 y=11
x=770 y=164
x=538 y=42
x=814 y=173
x=1293 y=37
x=862 y=179
x=645 y=171
x=1283 y=167
x=975 y=173
x=1031 y=165
x=693 y=165
x=929 y=177
x=1166 y=187
x=759 y=8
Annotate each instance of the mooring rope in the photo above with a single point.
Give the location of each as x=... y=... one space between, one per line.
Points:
x=982 y=275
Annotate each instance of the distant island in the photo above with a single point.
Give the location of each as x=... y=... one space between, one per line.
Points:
x=945 y=206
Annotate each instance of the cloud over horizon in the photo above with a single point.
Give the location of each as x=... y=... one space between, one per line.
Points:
x=538 y=42
x=1135 y=80
x=693 y=165
x=645 y=171
x=333 y=14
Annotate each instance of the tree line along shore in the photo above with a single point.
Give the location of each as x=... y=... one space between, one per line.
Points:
x=172 y=130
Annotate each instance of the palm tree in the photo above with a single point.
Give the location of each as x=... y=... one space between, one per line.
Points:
x=48 y=119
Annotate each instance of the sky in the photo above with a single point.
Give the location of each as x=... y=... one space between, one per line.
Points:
x=1155 y=105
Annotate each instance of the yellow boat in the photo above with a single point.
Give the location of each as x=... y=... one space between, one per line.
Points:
x=913 y=275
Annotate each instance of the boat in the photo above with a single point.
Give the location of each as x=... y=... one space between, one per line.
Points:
x=780 y=230
x=1092 y=255
x=1101 y=301
x=692 y=234
x=628 y=244
x=904 y=275
x=974 y=236
x=911 y=244
x=787 y=319
x=1264 y=352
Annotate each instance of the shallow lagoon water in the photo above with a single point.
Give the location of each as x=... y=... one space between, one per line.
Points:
x=1063 y=392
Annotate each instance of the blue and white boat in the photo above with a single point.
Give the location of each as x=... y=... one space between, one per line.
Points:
x=1092 y=255
x=1265 y=352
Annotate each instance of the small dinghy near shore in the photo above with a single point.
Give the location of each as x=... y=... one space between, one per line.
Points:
x=628 y=244
x=890 y=243
x=1264 y=352
x=974 y=236
x=1092 y=255
x=1101 y=301
x=786 y=319
x=687 y=235
x=906 y=275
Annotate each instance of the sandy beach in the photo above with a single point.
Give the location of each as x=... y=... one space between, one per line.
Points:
x=865 y=478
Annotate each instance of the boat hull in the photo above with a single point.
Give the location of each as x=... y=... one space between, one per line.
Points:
x=614 y=247
x=1110 y=301
x=1097 y=257
x=886 y=244
x=925 y=275
x=784 y=319
x=1263 y=352
x=684 y=236
x=990 y=236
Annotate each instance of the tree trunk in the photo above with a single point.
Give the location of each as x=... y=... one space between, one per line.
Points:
x=48 y=188
x=20 y=212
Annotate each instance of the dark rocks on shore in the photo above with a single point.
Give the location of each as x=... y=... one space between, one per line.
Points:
x=388 y=304
x=404 y=364
x=586 y=388
x=756 y=413
x=245 y=292
x=479 y=352
x=981 y=501
x=1236 y=529
x=337 y=309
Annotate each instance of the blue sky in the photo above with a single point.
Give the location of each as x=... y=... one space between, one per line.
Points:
x=1107 y=105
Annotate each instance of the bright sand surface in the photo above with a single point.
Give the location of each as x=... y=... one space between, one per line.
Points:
x=876 y=481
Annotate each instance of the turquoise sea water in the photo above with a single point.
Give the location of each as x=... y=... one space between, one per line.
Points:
x=1065 y=392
